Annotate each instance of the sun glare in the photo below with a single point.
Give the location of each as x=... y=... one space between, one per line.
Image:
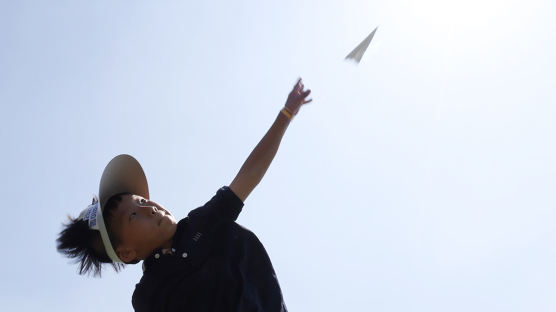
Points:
x=456 y=18
x=460 y=14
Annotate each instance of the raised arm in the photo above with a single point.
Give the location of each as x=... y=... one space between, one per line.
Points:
x=254 y=168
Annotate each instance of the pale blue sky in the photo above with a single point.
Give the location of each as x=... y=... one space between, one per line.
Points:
x=420 y=180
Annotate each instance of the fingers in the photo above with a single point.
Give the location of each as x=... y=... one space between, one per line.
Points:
x=301 y=94
x=305 y=95
x=298 y=85
x=298 y=88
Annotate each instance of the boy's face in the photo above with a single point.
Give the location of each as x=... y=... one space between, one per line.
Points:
x=142 y=226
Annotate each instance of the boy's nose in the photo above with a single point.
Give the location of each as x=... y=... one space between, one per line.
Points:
x=149 y=210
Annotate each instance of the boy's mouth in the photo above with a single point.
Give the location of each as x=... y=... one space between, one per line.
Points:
x=162 y=214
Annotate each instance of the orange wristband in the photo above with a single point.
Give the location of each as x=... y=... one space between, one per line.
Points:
x=288 y=110
x=287 y=113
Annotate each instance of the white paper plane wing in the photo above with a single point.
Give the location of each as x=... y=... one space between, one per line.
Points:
x=358 y=52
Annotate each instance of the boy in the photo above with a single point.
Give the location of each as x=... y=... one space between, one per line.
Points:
x=204 y=262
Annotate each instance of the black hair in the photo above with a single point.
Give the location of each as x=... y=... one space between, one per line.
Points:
x=79 y=242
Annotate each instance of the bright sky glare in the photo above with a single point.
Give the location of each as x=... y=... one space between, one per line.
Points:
x=421 y=179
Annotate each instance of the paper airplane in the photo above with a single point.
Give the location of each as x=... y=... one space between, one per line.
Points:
x=358 y=52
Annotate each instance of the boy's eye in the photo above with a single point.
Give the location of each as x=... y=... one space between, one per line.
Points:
x=142 y=200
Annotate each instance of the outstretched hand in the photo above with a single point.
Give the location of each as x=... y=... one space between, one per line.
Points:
x=254 y=168
x=298 y=97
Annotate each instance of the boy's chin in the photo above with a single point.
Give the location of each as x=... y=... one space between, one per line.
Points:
x=167 y=219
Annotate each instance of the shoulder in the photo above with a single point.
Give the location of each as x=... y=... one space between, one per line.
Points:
x=225 y=204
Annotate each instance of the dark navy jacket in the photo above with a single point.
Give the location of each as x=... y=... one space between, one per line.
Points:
x=215 y=265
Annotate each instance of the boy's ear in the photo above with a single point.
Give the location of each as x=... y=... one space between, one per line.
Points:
x=126 y=254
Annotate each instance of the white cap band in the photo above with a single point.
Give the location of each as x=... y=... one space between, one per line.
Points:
x=93 y=214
